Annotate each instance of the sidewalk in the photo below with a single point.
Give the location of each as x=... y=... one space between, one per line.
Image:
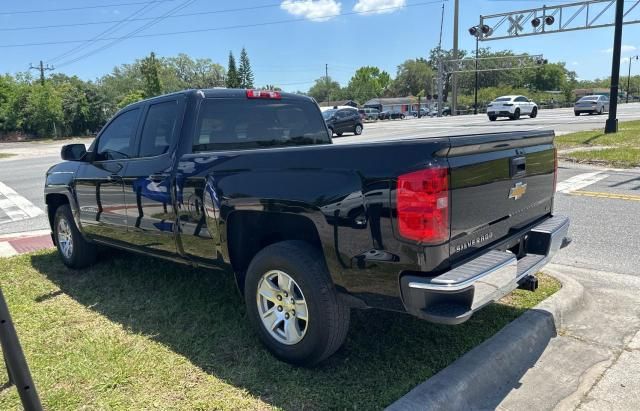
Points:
x=26 y=242
x=594 y=362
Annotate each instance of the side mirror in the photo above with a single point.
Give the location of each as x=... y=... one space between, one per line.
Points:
x=73 y=152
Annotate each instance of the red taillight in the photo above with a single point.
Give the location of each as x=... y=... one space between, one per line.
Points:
x=264 y=94
x=422 y=202
x=555 y=169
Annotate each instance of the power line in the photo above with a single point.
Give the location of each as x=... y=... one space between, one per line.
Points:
x=130 y=34
x=89 y=23
x=239 y=26
x=101 y=6
x=110 y=30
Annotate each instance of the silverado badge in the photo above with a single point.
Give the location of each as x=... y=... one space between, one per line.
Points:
x=518 y=190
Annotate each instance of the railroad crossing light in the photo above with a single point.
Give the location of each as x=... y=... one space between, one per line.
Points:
x=549 y=20
x=541 y=61
x=486 y=30
x=473 y=31
x=535 y=22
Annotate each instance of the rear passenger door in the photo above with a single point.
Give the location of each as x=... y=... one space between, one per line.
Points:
x=343 y=120
x=148 y=178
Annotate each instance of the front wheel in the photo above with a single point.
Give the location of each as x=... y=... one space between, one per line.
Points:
x=601 y=112
x=493 y=118
x=339 y=134
x=534 y=113
x=358 y=129
x=293 y=304
x=73 y=249
x=576 y=113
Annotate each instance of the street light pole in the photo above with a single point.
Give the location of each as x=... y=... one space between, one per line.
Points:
x=629 y=76
x=611 y=126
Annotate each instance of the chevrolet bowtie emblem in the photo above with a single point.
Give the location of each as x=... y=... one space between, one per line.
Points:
x=518 y=190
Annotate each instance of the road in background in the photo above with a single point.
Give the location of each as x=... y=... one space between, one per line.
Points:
x=562 y=121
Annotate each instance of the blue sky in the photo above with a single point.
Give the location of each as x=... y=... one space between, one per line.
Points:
x=345 y=34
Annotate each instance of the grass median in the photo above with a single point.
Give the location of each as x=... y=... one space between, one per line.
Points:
x=621 y=149
x=138 y=333
x=6 y=155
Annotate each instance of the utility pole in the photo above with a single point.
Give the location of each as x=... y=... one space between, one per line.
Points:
x=611 y=126
x=42 y=69
x=326 y=79
x=454 y=77
x=629 y=76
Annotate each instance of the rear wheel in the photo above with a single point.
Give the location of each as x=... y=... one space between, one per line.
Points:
x=492 y=118
x=576 y=113
x=73 y=249
x=516 y=114
x=357 y=130
x=534 y=113
x=293 y=304
x=601 y=110
x=339 y=134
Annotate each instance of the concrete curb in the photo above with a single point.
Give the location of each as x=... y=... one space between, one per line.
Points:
x=484 y=375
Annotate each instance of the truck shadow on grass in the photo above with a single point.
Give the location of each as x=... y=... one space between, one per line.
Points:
x=199 y=314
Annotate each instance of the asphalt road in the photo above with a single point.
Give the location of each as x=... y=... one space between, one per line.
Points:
x=604 y=205
x=562 y=121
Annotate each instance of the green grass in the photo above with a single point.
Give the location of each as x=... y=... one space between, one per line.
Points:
x=6 y=155
x=622 y=148
x=616 y=157
x=137 y=333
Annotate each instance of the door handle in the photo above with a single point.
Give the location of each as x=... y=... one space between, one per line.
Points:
x=114 y=178
x=156 y=178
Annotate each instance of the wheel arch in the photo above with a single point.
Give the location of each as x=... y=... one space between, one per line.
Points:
x=249 y=231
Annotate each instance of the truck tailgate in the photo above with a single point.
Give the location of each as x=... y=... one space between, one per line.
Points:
x=500 y=183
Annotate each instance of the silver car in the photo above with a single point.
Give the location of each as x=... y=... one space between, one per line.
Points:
x=596 y=104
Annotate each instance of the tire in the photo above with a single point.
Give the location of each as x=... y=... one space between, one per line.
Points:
x=534 y=113
x=331 y=131
x=339 y=134
x=576 y=113
x=327 y=315
x=601 y=112
x=493 y=118
x=402 y=117
x=357 y=130
x=516 y=114
x=73 y=249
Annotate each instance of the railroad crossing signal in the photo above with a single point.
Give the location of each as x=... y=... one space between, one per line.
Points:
x=515 y=25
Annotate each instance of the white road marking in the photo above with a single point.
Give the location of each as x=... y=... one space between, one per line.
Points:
x=15 y=206
x=580 y=181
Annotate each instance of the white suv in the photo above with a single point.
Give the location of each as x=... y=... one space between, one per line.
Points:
x=512 y=107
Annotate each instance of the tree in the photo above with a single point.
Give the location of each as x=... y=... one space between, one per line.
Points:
x=233 y=77
x=368 y=82
x=271 y=87
x=150 y=68
x=183 y=72
x=413 y=76
x=244 y=71
x=130 y=98
x=43 y=110
x=325 y=89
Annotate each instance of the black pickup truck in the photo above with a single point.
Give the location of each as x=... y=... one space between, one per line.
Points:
x=249 y=181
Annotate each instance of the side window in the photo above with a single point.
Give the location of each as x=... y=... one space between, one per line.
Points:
x=116 y=141
x=158 y=132
x=520 y=99
x=342 y=114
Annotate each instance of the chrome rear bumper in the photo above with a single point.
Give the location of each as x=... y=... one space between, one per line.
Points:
x=452 y=297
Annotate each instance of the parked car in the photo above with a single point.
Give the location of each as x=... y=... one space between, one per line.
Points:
x=512 y=107
x=423 y=112
x=391 y=115
x=596 y=104
x=344 y=120
x=368 y=113
x=249 y=181
x=433 y=112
